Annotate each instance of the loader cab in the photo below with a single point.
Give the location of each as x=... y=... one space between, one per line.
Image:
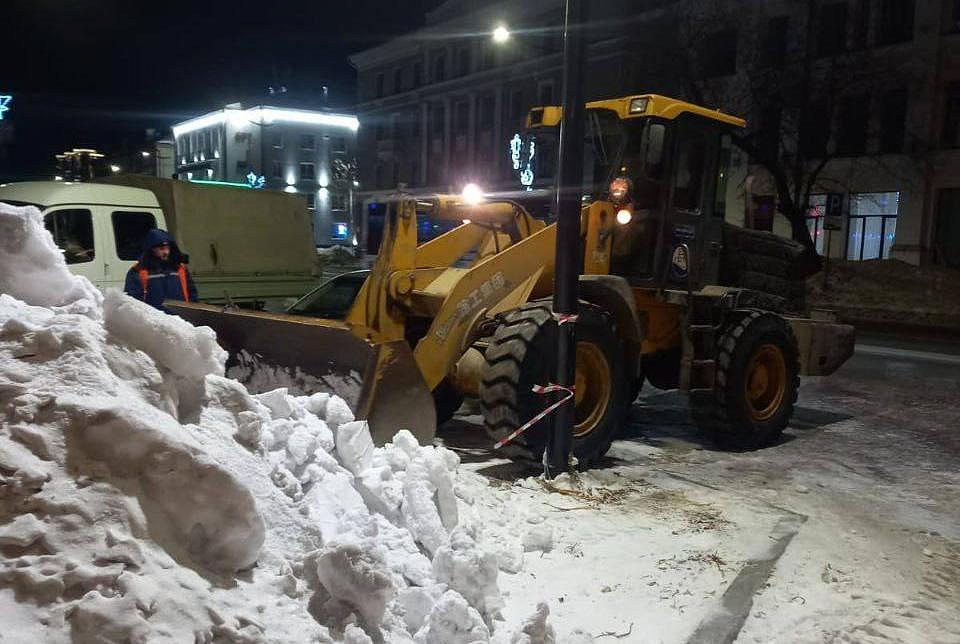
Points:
x=655 y=182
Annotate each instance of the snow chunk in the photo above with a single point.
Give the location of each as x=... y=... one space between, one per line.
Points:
x=173 y=343
x=32 y=268
x=355 y=446
x=453 y=621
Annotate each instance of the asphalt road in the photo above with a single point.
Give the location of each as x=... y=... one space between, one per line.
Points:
x=869 y=467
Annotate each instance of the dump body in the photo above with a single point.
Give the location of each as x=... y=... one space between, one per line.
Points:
x=244 y=245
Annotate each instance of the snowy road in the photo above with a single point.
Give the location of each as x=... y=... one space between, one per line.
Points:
x=855 y=517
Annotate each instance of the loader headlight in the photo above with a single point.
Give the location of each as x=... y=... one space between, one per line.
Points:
x=639 y=105
x=624 y=216
x=472 y=194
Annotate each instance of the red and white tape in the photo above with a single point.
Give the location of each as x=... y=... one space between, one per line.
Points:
x=565 y=318
x=539 y=389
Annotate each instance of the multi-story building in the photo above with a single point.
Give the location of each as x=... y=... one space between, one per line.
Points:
x=439 y=106
x=310 y=152
x=81 y=164
x=856 y=98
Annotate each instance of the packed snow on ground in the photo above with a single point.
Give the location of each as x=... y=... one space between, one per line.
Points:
x=145 y=497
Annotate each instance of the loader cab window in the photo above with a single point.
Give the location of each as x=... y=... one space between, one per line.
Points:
x=605 y=139
x=643 y=162
x=72 y=230
x=692 y=146
x=129 y=230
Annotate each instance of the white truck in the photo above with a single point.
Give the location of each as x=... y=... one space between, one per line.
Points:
x=245 y=246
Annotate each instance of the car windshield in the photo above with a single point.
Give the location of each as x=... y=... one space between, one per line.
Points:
x=332 y=299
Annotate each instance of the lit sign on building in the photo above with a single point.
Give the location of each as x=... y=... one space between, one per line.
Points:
x=523 y=163
x=4 y=105
x=255 y=181
x=340 y=231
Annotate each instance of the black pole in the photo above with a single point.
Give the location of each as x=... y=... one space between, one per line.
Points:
x=568 y=267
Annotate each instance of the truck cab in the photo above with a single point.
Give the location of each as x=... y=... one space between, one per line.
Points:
x=100 y=228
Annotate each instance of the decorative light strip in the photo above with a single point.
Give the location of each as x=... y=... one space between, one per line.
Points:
x=4 y=105
x=265 y=116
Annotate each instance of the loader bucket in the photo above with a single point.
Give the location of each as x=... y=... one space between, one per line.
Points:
x=379 y=381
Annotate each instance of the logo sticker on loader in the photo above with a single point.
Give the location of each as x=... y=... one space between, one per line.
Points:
x=471 y=303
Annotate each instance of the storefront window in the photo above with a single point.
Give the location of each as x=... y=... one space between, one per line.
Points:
x=815 y=213
x=873 y=224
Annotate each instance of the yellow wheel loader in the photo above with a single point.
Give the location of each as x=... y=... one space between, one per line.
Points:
x=468 y=313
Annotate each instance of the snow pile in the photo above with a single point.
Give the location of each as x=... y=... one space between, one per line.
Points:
x=146 y=497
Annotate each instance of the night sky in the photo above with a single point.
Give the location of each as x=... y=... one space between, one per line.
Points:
x=98 y=73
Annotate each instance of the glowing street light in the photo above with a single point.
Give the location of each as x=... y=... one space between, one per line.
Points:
x=145 y=154
x=501 y=34
x=114 y=169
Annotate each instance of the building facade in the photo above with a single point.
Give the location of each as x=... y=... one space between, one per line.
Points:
x=300 y=151
x=859 y=99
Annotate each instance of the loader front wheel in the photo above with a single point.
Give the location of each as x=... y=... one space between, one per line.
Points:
x=756 y=383
x=521 y=354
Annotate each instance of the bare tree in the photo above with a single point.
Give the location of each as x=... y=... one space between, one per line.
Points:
x=790 y=71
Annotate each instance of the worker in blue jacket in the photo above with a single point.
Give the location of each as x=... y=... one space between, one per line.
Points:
x=161 y=273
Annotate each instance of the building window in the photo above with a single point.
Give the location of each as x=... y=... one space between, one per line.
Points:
x=241 y=167
x=417 y=73
x=951 y=116
x=437 y=124
x=311 y=201
x=461 y=113
x=775 y=42
x=276 y=139
x=893 y=118
x=463 y=62
x=277 y=170
x=398 y=80
x=308 y=172
x=832 y=29
x=854 y=116
x=308 y=142
x=815 y=213
x=517 y=111
x=948 y=227
x=951 y=16
x=72 y=231
x=896 y=21
x=338 y=144
x=718 y=55
x=440 y=68
x=486 y=112
x=487 y=57
x=815 y=130
x=340 y=231
x=545 y=93
x=768 y=139
x=379 y=88
x=872 y=224
x=338 y=201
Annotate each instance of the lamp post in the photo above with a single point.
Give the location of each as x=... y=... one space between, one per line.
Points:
x=568 y=200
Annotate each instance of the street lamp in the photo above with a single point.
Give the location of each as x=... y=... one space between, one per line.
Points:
x=114 y=169
x=501 y=34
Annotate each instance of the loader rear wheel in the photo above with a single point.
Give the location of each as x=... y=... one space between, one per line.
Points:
x=521 y=354
x=756 y=383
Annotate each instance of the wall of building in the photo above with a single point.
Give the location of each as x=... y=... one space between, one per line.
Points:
x=440 y=134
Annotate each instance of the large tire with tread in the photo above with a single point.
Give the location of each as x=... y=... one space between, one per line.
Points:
x=757 y=379
x=520 y=354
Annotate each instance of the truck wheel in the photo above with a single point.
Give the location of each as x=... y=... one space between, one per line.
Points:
x=756 y=383
x=521 y=355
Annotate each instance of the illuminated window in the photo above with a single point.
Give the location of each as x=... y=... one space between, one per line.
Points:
x=311 y=201
x=276 y=139
x=815 y=214
x=308 y=142
x=872 y=225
